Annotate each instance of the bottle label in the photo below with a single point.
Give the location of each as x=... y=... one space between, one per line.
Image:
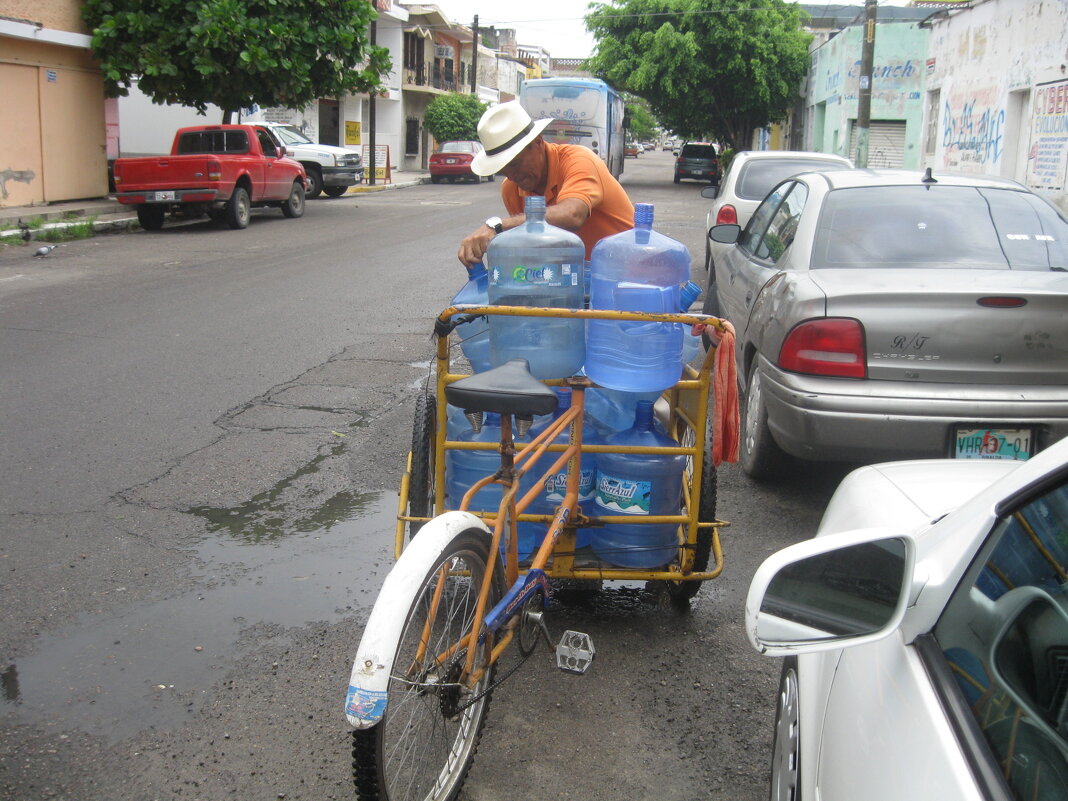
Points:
x=556 y=486
x=624 y=495
x=542 y=274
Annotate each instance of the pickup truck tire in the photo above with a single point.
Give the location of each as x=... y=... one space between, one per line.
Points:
x=239 y=209
x=294 y=204
x=151 y=217
x=315 y=180
x=335 y=191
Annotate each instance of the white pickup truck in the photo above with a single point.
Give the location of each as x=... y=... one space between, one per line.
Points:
x=331 y=170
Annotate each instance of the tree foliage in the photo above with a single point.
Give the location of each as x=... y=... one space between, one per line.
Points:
x=236 y=53
x=708 y=68
x=640 y=121
x=454 y=116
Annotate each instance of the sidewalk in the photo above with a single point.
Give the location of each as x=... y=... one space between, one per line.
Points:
x=108 y=214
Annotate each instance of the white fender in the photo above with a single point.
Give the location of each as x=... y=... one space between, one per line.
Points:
x=365 y=701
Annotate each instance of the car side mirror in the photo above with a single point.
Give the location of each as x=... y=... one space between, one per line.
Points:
x=282 y=151
x=710 y=192
x=725 y=233
x=830 y=592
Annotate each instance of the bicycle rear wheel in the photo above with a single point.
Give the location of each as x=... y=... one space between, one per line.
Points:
x=423 y=747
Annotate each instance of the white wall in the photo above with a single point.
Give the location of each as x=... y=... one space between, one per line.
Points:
x=990 y=68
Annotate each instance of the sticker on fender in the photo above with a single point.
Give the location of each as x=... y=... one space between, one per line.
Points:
x=367 y=705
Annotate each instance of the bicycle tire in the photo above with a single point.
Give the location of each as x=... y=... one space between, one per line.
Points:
x=423 y=747
x=421 y=479
x=682 y=592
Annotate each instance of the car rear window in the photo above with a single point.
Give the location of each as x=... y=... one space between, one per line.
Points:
x=760 y=175
x=213 y=142
x=698 y=152
x=457 y=147
x=940 y=226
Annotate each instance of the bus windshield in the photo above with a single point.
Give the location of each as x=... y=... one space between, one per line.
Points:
x=571 y=103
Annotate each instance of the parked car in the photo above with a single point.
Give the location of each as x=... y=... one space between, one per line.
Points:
x=891 y=314
x=452 y=162
x=331 y=170
x=751 y=175
x=925 y=636
x=630 y=150
x=219 y=170
x=697 y=160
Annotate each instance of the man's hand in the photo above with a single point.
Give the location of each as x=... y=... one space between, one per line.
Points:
x=474 y=245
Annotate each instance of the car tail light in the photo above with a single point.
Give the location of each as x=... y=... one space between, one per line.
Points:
x=832 y=346
x=214 y=170
x=727 y=215
x=997 y=302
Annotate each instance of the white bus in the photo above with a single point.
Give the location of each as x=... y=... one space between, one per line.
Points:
x=586 y=111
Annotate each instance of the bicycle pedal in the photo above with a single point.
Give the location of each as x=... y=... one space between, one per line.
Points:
x=575 y=651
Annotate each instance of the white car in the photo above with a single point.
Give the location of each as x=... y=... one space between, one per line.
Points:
x=331 y=170
x=751 y=175
x=925 y=636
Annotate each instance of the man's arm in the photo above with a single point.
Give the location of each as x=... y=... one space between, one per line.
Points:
x=569 y=214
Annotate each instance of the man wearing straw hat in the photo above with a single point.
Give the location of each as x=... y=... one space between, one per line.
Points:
x=580 y=193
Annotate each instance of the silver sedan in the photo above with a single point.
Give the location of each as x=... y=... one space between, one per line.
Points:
x=889 y=314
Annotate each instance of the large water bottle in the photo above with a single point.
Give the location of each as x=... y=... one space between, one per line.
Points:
x=555 y=486
x=537 y=264
x=636 y=270
x=464 y=468
x=474 y=335
x=690 y=343
x=639 y=485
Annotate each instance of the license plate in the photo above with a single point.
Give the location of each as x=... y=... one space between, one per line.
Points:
x=993 y=443
x=168 y=195
x=450 y=161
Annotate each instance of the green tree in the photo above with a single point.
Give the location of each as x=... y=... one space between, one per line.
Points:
x=640 y=121
x=717 y=68
x=454 y=116
x=236 y=53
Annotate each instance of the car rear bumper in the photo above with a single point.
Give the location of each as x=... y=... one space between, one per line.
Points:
x=199 y=195
x=831 y=419
x=451 y=169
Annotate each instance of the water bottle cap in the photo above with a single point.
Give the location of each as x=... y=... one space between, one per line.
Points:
x=476 y=270
x=643 y=415
x=534 y=203
x=563 y=395
x=688 y=294
x=643 y=213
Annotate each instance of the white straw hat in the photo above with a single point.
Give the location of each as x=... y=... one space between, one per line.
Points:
x=504 y=130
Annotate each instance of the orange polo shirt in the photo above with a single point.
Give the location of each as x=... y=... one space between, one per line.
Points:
x=576 y=171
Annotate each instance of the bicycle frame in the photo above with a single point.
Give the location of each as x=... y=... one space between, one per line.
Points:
x=487 y=623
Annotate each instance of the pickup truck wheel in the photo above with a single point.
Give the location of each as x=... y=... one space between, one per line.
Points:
x=315 y=182
x=239 y=209
x=294 y=204
x=151 y=217
x=335 y=191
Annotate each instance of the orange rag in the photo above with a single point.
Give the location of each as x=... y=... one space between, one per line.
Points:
x=725 y=418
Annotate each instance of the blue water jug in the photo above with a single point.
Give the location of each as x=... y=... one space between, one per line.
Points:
x=537 y=264
x=464 y=468
x=474 y=335
x=555 y=486
x=639 y=485
x=690 y=343
x=614 y=410
x=636 y=270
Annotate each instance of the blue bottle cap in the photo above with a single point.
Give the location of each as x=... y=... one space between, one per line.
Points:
x=643 y=213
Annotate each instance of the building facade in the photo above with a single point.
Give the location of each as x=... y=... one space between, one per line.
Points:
x=53 y=134
x=997 y=93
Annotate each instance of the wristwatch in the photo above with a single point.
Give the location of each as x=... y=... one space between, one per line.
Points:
x=495 y=223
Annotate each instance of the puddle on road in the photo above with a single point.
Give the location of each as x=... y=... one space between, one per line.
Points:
x=116 y=676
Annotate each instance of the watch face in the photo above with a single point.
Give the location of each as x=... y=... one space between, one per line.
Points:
x=495 y=223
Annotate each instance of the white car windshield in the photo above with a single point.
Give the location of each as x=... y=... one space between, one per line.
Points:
x=291 y=136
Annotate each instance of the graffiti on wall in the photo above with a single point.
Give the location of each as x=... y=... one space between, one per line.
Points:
x=1048 y=154
x=973 y=130
x=22 y=176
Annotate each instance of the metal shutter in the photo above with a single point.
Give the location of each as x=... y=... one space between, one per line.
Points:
x=886 y=143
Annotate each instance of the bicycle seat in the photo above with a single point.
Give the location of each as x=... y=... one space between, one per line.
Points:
x=508 y=389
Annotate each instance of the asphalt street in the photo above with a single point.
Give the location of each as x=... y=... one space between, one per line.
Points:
x=204 y=435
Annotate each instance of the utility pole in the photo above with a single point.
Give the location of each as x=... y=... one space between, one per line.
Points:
x=474 y=58
x=867 y=59
x=371 y=117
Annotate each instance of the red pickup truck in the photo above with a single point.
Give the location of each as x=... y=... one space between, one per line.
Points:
x=218 y=170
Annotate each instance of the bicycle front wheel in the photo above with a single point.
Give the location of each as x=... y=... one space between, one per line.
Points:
x=423 y=747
